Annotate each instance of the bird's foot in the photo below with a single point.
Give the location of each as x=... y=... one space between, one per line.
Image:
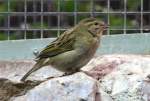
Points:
x=68 y=73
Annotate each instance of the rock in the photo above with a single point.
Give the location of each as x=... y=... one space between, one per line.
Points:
x=120 y=85
x=9 y=88
x=126 y=80
x=14 y=70
x=121 y=78
x=77 y=87
x=105 y=96
x=146 y=90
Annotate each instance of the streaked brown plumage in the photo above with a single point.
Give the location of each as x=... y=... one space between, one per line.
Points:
x=73 y=49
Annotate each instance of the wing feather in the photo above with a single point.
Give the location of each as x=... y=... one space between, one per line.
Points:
x=63 y=43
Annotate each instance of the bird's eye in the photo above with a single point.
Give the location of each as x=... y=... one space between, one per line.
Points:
x=101 y=24
x=96 y=23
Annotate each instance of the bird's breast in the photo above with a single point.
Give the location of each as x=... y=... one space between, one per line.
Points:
x=88 y=53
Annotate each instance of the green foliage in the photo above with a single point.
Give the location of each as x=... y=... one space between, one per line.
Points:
x=84 y=6
x=133 y=4
x=3 y=17
x=13 y=4
x=38 y=25
x=13 y=36
x=3 y=7
x=67 y=5
x=117 y=22
x=3 y=36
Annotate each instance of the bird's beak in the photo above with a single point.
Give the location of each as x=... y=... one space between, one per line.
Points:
x=106 y=26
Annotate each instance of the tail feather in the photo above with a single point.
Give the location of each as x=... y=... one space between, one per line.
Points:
x=37 y=66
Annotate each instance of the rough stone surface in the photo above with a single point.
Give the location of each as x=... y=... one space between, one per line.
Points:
x=14 y=70
x=127 y=77
x=77 y=87
x=121 y=78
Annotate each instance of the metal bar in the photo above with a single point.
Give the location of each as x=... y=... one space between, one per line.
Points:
x=71 y=13
x=58 y=18
x=42 y=18
x=125 y=16
x=108 y=15
x=25 y=19
x=17 y=29
x=141 y=14
x=92 y=8
x=8 y=19
x=34 y=17
x=75 y=12
x=54 y=0
x=48 y=18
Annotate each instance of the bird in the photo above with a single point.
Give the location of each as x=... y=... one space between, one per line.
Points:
x=73 y=49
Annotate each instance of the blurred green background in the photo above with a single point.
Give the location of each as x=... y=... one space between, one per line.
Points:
x=12 y=16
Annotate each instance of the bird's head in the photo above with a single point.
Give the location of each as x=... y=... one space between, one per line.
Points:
x=94 y=26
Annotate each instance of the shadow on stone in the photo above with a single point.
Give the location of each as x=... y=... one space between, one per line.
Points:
x=10 y=89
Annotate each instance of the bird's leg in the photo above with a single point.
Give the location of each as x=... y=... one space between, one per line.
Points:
x=68 y=73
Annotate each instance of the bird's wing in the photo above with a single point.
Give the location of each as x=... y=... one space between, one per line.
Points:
x=62 y=44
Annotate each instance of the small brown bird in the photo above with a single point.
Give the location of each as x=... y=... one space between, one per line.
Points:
x=73 y=49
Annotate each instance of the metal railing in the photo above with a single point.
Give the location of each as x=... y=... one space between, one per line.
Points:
x=27 y=19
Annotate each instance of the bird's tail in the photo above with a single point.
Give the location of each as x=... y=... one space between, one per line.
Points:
x=37 y=66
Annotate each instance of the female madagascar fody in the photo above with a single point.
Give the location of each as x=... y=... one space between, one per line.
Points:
x=73 y=49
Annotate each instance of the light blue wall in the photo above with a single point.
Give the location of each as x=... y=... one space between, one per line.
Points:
x=112 y=44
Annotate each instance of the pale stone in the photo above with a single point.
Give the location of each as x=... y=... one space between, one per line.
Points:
x=105 y=96
x=120 y=85
x=77 y=87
